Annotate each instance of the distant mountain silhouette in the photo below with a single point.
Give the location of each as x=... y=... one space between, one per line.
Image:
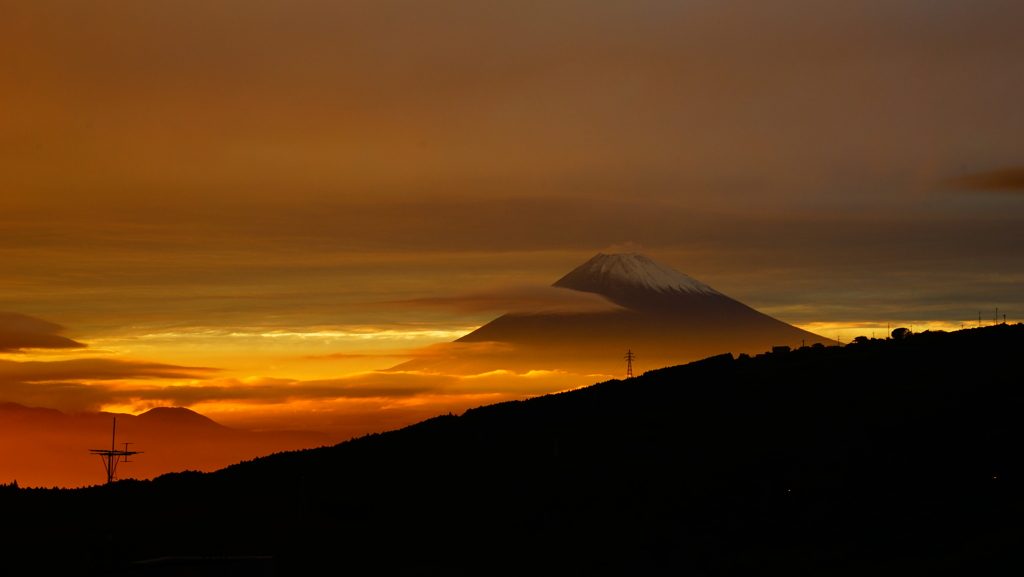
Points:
x=666 y=318
x=45 y=447
x=179 y=416
x=880 y=457
x=14 y=410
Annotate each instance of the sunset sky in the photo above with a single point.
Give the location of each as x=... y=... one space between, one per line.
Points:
x=251 y=208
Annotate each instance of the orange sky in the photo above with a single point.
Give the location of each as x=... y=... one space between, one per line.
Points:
x=250 y=208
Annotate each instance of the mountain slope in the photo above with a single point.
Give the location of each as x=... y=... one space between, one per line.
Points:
x=630 y=279
x=666 y=318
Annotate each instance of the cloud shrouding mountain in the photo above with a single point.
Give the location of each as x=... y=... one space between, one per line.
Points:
x=531 y=299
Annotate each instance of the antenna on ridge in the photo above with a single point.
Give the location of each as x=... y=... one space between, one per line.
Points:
x=629 y=363
x=112 y=457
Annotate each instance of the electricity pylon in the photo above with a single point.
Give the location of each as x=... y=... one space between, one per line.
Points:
x=112 y=457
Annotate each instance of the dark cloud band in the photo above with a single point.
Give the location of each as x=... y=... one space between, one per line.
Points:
x=18 y=332
x=1002 y=180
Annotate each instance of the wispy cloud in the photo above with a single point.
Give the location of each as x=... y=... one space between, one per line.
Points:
x=345 y=356
x=394 y=385
x=519 y=299
x=95 y=369
x=19 y=332
x=82 y=384
x=89 y=384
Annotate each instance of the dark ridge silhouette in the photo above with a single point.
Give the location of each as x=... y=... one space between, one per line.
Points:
x=666 y=317
x=879 y=457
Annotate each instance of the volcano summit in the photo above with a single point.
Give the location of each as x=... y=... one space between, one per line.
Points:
x=665 y=317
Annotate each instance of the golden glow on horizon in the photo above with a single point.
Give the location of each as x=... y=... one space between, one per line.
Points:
x=847 y=331
x=334 y=394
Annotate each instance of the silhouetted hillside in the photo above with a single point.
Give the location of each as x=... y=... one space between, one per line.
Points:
x=895 y=456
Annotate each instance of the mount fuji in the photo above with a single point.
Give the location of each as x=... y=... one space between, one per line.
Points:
x=664 y=316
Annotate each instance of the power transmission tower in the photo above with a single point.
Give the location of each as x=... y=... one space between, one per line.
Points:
x=629 y=363
x=112 y=457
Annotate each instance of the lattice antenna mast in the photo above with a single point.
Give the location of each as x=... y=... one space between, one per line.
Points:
x=629 y=363
x=112 y=457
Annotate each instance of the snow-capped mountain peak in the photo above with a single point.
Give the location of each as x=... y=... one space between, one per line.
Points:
x=635 y=270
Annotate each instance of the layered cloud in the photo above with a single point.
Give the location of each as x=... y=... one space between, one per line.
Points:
x=192 y=96
x=19 y=332
x=435 y=352
x=81 y=384
x=517 y=299
x=391 y=386
x=90 y=384
x=95 y=369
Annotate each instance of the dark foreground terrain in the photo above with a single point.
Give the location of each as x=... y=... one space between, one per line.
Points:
x=878 y=456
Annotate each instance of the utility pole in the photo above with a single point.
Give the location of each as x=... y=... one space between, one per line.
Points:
x=629 y=363
x=112 y=457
